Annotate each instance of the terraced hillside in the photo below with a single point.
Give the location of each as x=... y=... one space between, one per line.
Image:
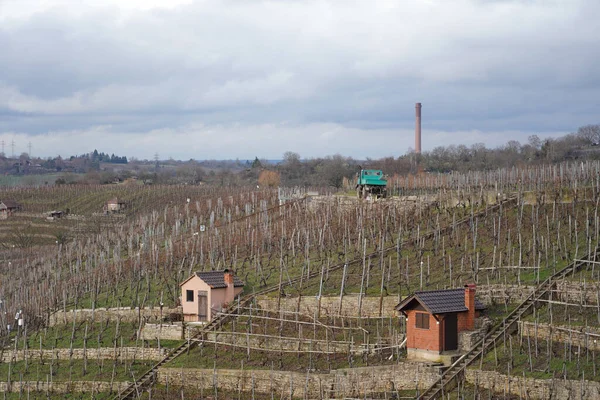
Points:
x=334 y=268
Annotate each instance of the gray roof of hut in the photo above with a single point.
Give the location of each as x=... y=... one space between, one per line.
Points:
x=440 y=301
x=216 y=279
x=10 y=203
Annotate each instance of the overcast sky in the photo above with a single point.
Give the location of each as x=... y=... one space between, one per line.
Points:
x=226 y=79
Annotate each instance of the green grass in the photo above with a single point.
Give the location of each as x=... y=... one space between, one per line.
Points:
x=99 y=334
x=134 y=294
x=590 y=274
x=552 y=360
x=65 y=370
x=226 y=357
x=559 y=314
x=31 y=180
x=355 y=330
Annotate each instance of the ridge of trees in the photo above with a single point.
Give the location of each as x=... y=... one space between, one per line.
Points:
x=582 y=144
x=330 y=171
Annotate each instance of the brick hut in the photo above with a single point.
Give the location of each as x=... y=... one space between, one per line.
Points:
x=205 y=293
x=8 y=207
x=434 y=320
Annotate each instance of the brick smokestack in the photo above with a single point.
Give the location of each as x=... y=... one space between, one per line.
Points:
x=418 y=128
x=470 y=304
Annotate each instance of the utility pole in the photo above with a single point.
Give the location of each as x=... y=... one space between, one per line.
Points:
x=156 y=163
x=2 y=147
x=29 y=146
x=13 y=148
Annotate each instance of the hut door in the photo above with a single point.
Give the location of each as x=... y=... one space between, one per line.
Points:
x=202 y=305
x=450 y=332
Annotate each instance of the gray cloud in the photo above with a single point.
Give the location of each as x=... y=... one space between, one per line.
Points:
x=294 y=75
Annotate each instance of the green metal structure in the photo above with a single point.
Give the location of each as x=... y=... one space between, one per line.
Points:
x=371 y=182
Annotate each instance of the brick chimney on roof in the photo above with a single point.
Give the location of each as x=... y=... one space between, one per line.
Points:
x=228 y=278
x=230 y=290
x=470 y=304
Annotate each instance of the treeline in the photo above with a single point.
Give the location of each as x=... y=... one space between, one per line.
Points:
x=582 y=144
x=338 y=171
x=103 y=157
x=330 y=171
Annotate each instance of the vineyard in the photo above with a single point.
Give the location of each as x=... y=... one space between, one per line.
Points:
x=322 y=275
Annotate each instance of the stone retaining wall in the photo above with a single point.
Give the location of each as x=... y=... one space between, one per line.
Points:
x=572 y=292
x=290 y=343
x=125 y=314
x=162 y=331
x=468 y=339
x=577 y=336
x=501 y=294
x=530 y=388
x=330 y=305
x=174 y=331
x=351 y=382
x=575 y=292
x=63 y=387
x=105 y=353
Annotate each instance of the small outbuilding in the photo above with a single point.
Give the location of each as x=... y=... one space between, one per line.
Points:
x=205 y=293
x=434 y=320
x=8 y=207
x=56 y=214
x=114 y=206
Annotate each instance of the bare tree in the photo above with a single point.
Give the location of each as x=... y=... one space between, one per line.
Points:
x=589 y=133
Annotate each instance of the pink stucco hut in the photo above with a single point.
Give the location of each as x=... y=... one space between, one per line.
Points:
x=205 y=293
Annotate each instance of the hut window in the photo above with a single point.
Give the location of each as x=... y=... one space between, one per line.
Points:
x=189 y=295
x=422 y=321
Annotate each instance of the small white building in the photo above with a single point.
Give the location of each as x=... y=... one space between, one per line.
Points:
x=205 y=293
